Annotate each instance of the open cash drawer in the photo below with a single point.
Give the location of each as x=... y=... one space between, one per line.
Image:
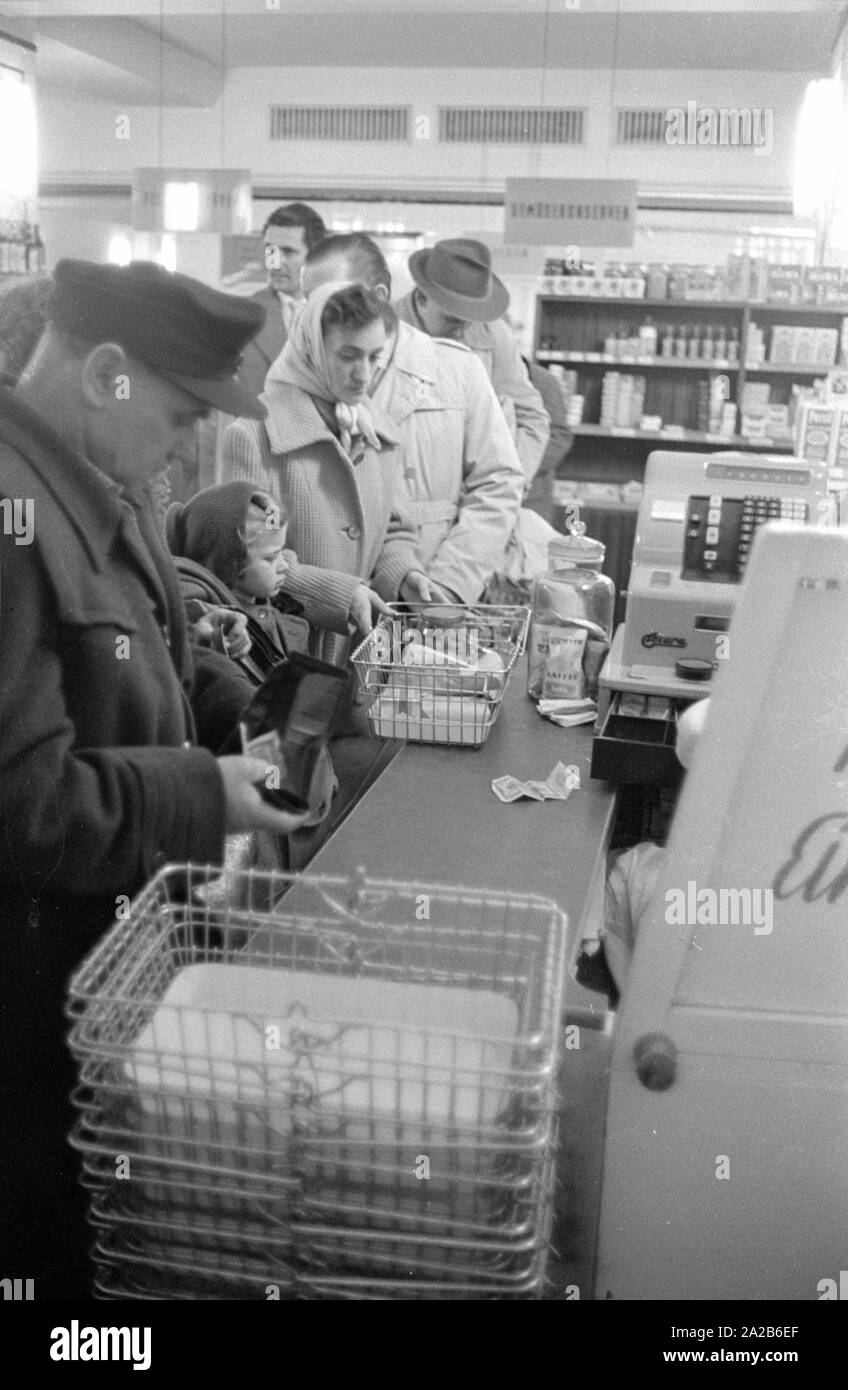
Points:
x=635 y=741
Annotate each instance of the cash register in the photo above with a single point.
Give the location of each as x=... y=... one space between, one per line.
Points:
x=696 y=525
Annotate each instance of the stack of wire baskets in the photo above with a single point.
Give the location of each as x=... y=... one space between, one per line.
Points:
x=337 y=1089
x=438 y=673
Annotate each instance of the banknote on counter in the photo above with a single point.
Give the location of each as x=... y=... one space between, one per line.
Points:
x=507 y=788
x=558 y=786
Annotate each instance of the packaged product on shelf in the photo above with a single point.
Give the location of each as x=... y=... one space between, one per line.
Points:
x=703 y=283
x=783 y=284
x=702 y=421
x=657 y=286
x=720 y=344
x=632 y=287
x=777 y=424
x=816 y=429
x=647 y=339
x=839 y=459
x=638 y=400
x=677 y=280
x=827 y=343
x=609 y=398
x=837 y=385
x=623 y=414
x=719 y=391
x=728 y=420
x=818 y=279
x=781 y=345
x=755 y=350
x=805 y=347
x=755 y=397
x=758 y=282
x=737 y=276
x=834 y=295
x=753 y=426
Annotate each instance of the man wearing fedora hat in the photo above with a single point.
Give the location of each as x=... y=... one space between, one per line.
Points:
x=102 y=778
x=456 y=295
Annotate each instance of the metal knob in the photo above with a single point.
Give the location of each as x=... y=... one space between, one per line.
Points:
x=655 y=1056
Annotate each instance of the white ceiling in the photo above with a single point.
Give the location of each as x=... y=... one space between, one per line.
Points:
x=180 y=50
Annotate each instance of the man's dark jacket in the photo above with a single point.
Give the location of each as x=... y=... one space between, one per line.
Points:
x=99 y=785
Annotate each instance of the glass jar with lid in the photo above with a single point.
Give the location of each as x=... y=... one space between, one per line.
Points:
x=572 y=616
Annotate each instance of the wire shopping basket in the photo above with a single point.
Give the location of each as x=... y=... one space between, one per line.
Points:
x=348 y=1080
x=434 y=673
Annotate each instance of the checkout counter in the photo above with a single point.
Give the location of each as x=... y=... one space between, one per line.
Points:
x=704 y=1136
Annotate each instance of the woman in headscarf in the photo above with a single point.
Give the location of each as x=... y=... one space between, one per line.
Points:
x=333 y=462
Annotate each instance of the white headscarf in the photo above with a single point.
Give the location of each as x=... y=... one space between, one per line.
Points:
x=303 y=363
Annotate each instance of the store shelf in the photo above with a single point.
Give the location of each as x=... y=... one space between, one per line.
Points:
x=752 y=306
x=676 y=390
x=633 y=301
x=605 y=359
x=681 y=436
x=771 y=369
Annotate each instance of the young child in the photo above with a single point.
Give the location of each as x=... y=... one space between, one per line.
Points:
x=238 y=533
x=234 y=535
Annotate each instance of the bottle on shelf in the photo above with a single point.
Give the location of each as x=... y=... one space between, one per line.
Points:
x=708 y=345
x=681 y=340
x=621 y=341
x=720 y=346
x=667 y=342
x=609 y=398
x=611 y=345
x=733 y=347
x=694 y=347
x=648 y=339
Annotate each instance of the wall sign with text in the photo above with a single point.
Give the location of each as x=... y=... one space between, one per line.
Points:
x=558 y=212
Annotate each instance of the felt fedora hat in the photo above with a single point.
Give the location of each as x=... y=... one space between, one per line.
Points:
x=457 y=275
x=183 y=330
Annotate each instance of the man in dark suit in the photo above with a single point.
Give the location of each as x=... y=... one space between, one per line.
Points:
x=289 y=233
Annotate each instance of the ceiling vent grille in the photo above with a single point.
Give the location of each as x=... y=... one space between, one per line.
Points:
x=641 y=125
x=332 y=123
x=503 y=125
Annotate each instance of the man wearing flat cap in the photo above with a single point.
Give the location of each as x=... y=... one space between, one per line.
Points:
x=102 y=778
x=456 y=295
